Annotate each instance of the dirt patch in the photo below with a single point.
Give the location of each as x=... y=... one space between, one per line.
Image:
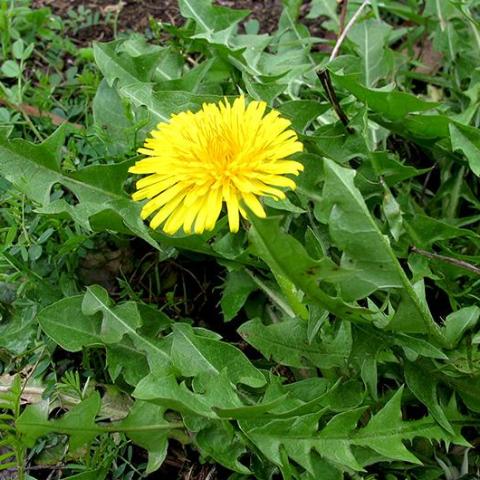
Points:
x=135 y=14
x=124 y=15
x=267 y=12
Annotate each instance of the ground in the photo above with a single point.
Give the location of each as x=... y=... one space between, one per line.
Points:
x=135 y=14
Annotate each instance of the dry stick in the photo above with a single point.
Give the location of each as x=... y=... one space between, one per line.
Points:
x=343 y=15
x=32 y=371
x=26 y=391
x=345 y=31
x=450 y=260
x=32 y=111
x=324 y=74
x=324 y=77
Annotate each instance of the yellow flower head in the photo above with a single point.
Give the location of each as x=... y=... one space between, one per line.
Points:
x=223 y=153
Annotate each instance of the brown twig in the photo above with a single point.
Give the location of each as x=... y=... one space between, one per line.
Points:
x=450 y=260
x=326 y=81
x=60 y=466
x=324 y=74
x=343 y=15
x=344 y=32
x=32 y=111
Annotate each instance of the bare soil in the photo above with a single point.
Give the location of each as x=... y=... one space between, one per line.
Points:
x=135 y=14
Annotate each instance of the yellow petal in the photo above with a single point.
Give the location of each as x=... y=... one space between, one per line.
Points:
x=283 y=168
x=149 y=180
x=152 y=190
x=162 y=199
x=175 y=221
x=191 y=214
x=199 y=227
x=277 y=180
x=165 y=212
x=232 y=210
x=195 y=193
x=251 y=201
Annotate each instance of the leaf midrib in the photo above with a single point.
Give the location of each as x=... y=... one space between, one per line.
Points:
x=210 y=365
x=315 y=293
x=402 y=276
x=157 y=68
x=131 y=331
x=112 y=59
x=352 y=439
x=304 y=348
x=65 y=178
x=127 y=91
x=101 y=428
x=197 y=17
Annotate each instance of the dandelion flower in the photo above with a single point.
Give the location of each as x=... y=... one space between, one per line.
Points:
x=224 y=153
